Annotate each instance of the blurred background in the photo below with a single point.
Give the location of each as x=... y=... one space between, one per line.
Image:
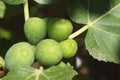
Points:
x=11 y=31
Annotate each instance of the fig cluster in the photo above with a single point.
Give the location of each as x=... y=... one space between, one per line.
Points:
x=48 y=43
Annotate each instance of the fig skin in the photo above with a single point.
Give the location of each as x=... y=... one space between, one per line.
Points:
x=59 y=29
x=19 y=55
x=35 y=29
x=48 y=52
x=69 y=47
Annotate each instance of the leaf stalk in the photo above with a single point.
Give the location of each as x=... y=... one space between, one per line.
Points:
x=78 y=32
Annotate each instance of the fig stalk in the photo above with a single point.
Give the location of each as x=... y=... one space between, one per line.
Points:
x=26 y=10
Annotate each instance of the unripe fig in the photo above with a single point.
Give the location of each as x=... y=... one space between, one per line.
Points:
x=69 y=48
x=35 y=30
x=48 y=52
x=59 y=29
x=19 y=55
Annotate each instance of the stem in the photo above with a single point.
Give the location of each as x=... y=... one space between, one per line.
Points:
x=26 y=10
x=77 y=33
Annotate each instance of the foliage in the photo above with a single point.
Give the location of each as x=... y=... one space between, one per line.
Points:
x=103 y=36
x=59 y=72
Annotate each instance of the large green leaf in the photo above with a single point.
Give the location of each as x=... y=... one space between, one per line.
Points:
x=2 y=9
x=45 y=1
x=59 y=72
x=14 y=2
x=86 y=11
x=102 y=18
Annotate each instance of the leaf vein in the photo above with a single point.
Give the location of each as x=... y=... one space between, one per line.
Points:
x=105 y=31
x=102 y=16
